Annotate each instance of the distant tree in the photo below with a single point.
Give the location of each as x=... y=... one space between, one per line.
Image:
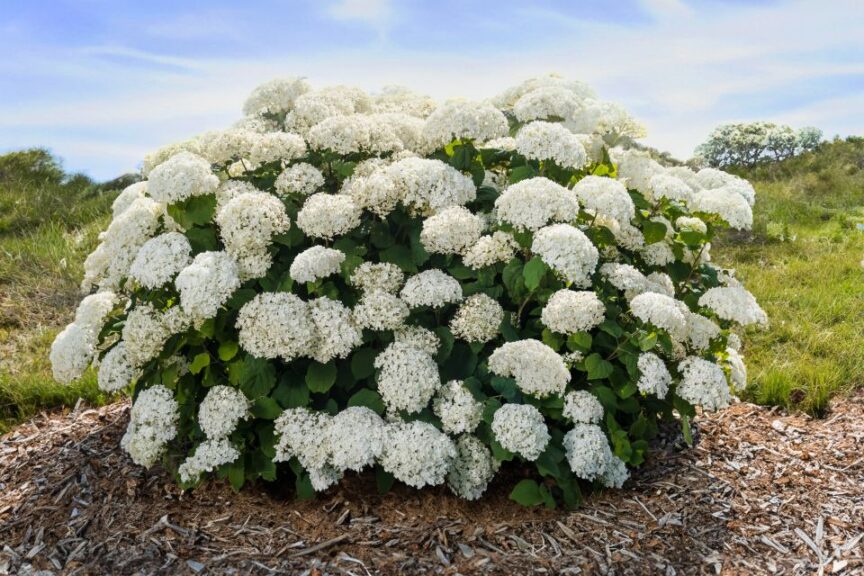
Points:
x=35 y=165
x=749 y=143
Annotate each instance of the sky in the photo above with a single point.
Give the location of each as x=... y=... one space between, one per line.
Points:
x=103 y=82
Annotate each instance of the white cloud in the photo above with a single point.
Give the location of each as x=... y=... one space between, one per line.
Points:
x=376 y=13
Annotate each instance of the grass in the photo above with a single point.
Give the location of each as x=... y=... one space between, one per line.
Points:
x=801 y=262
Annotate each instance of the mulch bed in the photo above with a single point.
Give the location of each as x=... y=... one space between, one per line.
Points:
x=763 y=492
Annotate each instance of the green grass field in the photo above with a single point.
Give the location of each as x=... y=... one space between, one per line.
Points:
x=802 y=262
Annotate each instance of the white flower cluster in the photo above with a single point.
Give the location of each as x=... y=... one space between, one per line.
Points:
x=464 y=120
x=703 y=383
x=328 y=215
x=451 y=231
x=160 y=259
x=582 y=407
x=457 y=408
x=537 y=368
x=605 y=197
x=208 y=456
x=533 y=203
x=74 y=348
x=383 y=276
x=301 y=179
x=379 y=310
x=247 y=224
x=418 y=454
x=180 y=177
x=478 y=319
x=315 y=263
x=221 y=411
x=488 y=250
x=407 y=377
x=588 y=453
x=654 y=377
x=551 y=141
x=568 y=251
x=569 y=311
x=152 y=424
x=735 y=304
x=520 y=429
x=276 y=325
x=472 y=469
x=432 y=288
x=207 y=283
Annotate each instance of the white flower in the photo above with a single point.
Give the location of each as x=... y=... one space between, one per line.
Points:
x=665 y=185
x=700 y=331
x=303 y=434
x=654 y=377
x=735 y=304
x=115 y=370
x=247 y=224
x=547 y=102
x=488 y=250
x=451 y=231
x=383 y=276
x=225 y=146
x=605 y=197
x=356 y=133
x=737 y=368
x=93 y=309
x=328 y=215
x=510 y=97
x=318 y=105
x=323 y=478
x=127 y=197
x=301 y=179
x=537 y=368
x=549 y=141
x=208 y=456
x=703 y=383
x=507 y=143
x=466 y=121
x=315 y=263
x=632 y=282
x=636 y=169
x=180 y=177
x=357 y=437
x=379 y=310
x=663 y=312
x=472 y=469
x=402 y=100
x=154 y=159
x=276 y=96
x=616 y=473
x=519 y=428
x=568 y=251
x=407 y=377
x=587 y=451
x=457 y=408
x=581 y=406
x=146 y=330
x=230 y=189
x=726 y=203
x=152 y=424
x=276 y=147
x=418 y=337
x=569 y=311
x=691 y=224
x=276 y=324
x=336 y=334
x=417 y=453
x=160 y=259
x=71 y=353
x=531 y=204
x=657 y=254
x=206 y=284
x=221 y=411
x=477 y=319
x=432 y=288
x=427 y=186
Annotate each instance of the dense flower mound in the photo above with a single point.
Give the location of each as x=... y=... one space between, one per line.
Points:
x=344 y=281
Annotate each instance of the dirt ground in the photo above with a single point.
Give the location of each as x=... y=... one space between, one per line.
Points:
x=763 y=492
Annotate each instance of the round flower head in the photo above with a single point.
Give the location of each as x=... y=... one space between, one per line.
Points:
x=427 y=186
x=665 y=185
x=180 y=177
x=206 y=284
x=432 y=288
x=379 y=310
x=276 y=325
x=728 y=204
x=93 y=309
x=152 y=424
x=402 y=100
x=276 y=147
x=734 y=304
x=568 y=251
x=466 y=121
x=407 y=377
x=633 y=282
x=230 y=189
x=357 y=437
x=477 y=319
x=247 y=224
x=451 y=231
x=328 y=215
x=318 y=105
x=127 y=196
x=336 y=334
x=737 y=368
x=418 y=337
x=208 y=456
x=160 y=259
x=489 y=250
x=146 y=330
x=587 y=451
x=700 y=331
x=71 y=353
x=654 y=377
x=303 y=434
x=301 y=179
x=221 y=411
x=691 y=224
x=703 y=383
x=520 y=429
x=383 y=276
x=547 y=102
x=636 y=168
x=533 y=203
x=569 y=311
x=315 y=263
x=583 y=407
x=358 y=133
x=116 y=371
x=551 y=141
x=537 y=368
x=275 y=97
x=417 y=453
x=457 y=408
x=225 y=146
x=662 y=312
x=472 y=469
x=605 y=197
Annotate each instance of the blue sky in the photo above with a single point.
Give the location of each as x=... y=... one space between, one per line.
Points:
x=102 y=82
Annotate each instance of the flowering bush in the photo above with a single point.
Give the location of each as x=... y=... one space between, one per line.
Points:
x=343 y=281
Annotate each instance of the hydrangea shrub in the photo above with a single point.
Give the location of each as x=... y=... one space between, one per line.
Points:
x=344 y=281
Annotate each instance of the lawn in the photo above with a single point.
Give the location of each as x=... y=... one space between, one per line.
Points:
x=802 y=262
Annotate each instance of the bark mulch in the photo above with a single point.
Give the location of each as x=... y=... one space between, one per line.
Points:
x=762 y=492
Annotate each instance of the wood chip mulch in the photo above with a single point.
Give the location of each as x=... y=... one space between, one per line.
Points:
x=763 y=492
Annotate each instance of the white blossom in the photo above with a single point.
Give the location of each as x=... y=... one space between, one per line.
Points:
x=315 y=263
x=654 y=377
x=587 y=451
x=568 y=251
x=464 y=120
x=152 y=424
x=728 y=204
x=570 y=311
x=451 y=231
x=665 y=185
x=735 y=304
x=550 y=141
x=127 y=197
x=336 y=334
x=520 y=428
x=180 y=177
x=276 y=96
x=71 y=353
x=328 y=215
x=417 y=454
x=383 y=276
x=537 y=368
x=303 y=434
x=357 y=437
x=661 y=311
x=418 y=337
x=407 y=377
x=580 y=406
x=221 y=411
x=547 y=102
x=301 y=179
x=208 y=456
x=478 y=319
x=432 y=288
x=703 y=383
x=379 y=310
x=276 y=147
x=115 y=370
x=276 y=325
x=206 y=284
x=606 y=197
x=160 y=259
x=457 y=408
x=472 y=468
x=532 y=203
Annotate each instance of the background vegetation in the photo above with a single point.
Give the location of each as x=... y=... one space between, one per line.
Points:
x=802 y=262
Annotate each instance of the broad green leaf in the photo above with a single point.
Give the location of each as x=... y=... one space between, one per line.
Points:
x=363 y=363
x=597 y=367
x=266 y=408
x=227 y=350
x=368 y=398
x=527 y=493
x=534 y=272
x=654 y=231
x=200 y=362
x=321 y=377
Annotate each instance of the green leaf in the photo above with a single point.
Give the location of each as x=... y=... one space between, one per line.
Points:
x=401 y=256
x=368 y=398
x=363 y=363
x=648 y=341
x=527 y=493
x=227 y=350
x=200 y=362
x=579 y=341
x=266 y=408
x=506 y=387
x=257 y=377
x=597 y=367
x=202 y=239
x=291 y=393
x=197 y=210
x=384 y=480
x=521 y=173
x=303 y=485
x=534 y=272
x=653 y=231
x=236 y=474
x=321 y=377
